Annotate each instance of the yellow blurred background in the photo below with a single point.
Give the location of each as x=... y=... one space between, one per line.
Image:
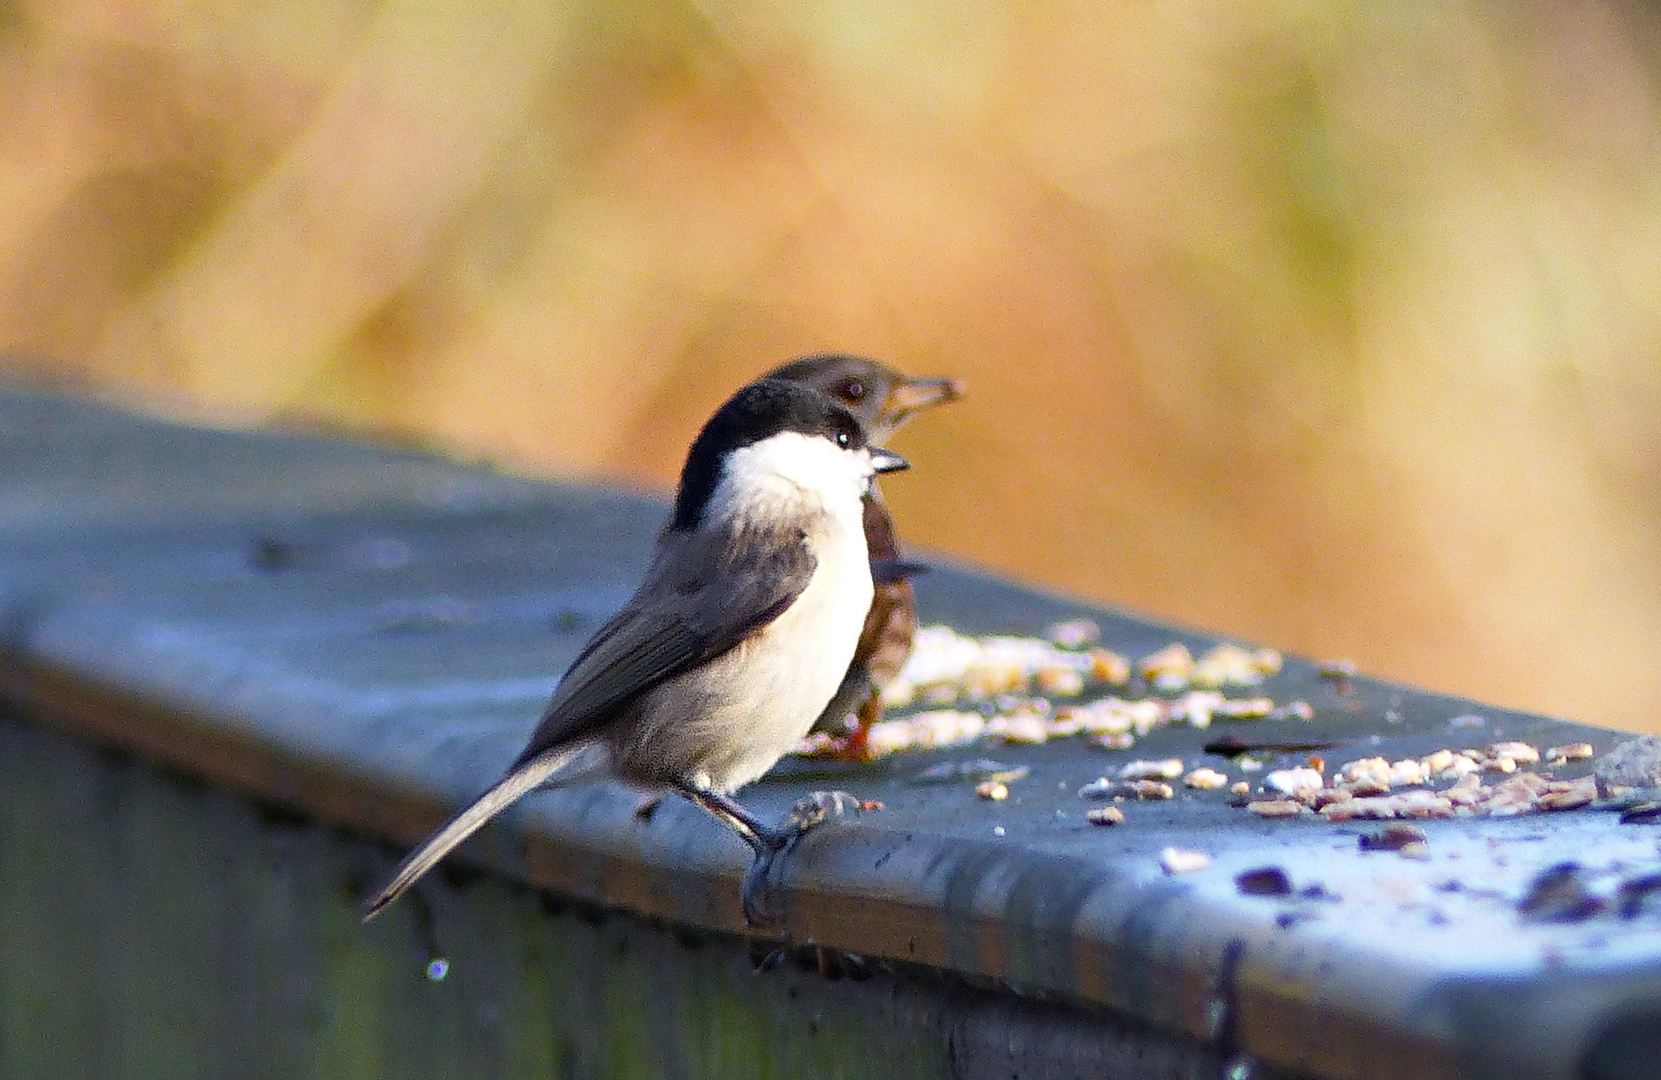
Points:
x=1332 y=326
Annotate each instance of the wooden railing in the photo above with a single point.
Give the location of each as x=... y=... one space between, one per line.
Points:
x=242 y=672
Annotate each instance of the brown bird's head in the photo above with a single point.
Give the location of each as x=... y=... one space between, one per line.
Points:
x=880 y=398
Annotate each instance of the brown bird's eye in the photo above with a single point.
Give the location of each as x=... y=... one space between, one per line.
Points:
x=844 y=440
x=853 y=390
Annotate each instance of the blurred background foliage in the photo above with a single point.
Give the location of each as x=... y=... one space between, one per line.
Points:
x=1329 y=325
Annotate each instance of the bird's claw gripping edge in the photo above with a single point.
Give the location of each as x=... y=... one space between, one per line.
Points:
x=806 y=814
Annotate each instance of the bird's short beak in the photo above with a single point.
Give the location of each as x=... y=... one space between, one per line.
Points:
x=887 y=461
x=914 y=395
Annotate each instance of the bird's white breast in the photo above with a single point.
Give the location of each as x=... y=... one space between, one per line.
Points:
x=729 y=721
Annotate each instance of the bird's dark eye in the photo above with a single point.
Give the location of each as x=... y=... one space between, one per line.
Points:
x=853 y=390
x=844 y=440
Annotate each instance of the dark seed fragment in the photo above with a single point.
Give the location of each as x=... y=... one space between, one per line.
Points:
x=1264 y=881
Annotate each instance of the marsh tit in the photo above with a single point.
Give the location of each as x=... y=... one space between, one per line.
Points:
x=740 y=633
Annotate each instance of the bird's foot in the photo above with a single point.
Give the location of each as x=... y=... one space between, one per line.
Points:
x=808 y=813
x=752 y=895
x=854 y=746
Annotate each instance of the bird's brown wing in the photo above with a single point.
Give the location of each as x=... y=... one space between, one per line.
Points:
x=706 y=592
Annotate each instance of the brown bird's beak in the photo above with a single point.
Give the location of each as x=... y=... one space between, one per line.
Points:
x=911 y=396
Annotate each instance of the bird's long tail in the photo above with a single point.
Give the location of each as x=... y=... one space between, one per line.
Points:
x=465 y=824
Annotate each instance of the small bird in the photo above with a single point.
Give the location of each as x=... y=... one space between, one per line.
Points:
x=882 y=400
x=741 y=631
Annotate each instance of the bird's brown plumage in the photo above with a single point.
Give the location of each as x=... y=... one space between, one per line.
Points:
x=882 y=400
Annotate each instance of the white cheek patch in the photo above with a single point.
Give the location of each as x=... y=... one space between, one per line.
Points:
x=810 y=462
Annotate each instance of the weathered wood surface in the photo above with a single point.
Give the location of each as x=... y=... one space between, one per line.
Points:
x=153 y=928
x=364 y=637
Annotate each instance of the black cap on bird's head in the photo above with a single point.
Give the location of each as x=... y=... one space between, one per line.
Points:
x=759 y=411
x=881 y=398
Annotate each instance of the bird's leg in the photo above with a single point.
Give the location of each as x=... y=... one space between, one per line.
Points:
x=768 y=842
x=765 y=842
x=853 y=744
x=726 y=810
x=856 y=744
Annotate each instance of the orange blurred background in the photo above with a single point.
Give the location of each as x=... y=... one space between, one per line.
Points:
x=1331 y=326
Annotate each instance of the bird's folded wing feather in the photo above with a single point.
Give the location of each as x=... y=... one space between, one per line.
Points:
x=700 y=600
x=894 y=571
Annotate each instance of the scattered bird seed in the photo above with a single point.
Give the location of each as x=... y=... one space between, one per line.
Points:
x=1105 y=815
x=1230 y=665
x=945 y=666
x=1197 y=707
x=1292 y=781
x=1002 y=673
x=1109 y=667
x=1644 y=813
x=1462 y=766
x=1022 y=728
x=1579 y=751
x=1569 y=794
x=1559 y=894
x=1169 y=668
x=1073 y=633
x=1253 y=708
x=1183 y=861
x=1370 y=773
x=1205 y=779
x=1519 y=752
x=1168 y=769
x=948 y=772
x=1373 y=787
x=1060 y=681
x=1277 y=808
x=1406 y=773
x=1264 y=881
x=1392 y=838
x=1126 y=789
x=933 y=730
x=1632 y=893
x=1267 y=661
x=1408 y=804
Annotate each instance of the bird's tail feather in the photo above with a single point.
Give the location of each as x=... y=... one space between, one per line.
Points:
x=465 y=824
